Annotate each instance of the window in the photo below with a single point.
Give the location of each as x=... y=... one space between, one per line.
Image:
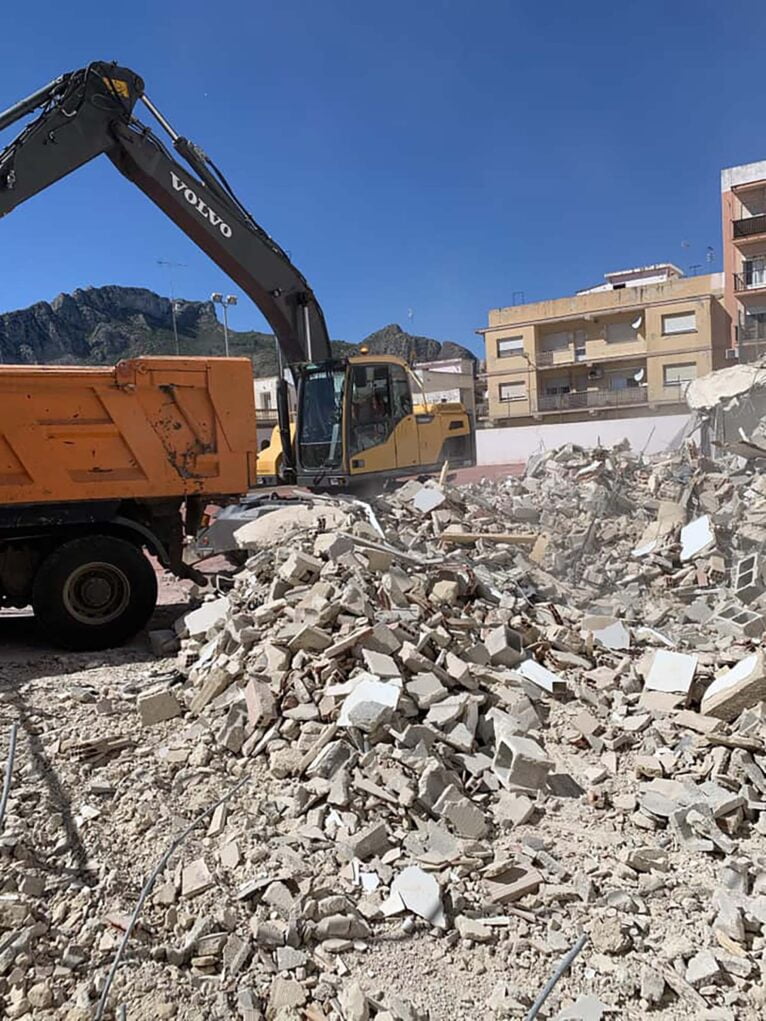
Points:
x=755 y=271
x=266 y=401
x=512 y=391
x=558 y=385
x=619 y=333
x=401 y=395
x=371 y=422
x=320 y=418
x=679 y=375
x=507 y=346
x=679 y=322
x=555 y=341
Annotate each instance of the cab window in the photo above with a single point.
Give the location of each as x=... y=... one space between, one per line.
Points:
x=401 y=394
x=371 y=412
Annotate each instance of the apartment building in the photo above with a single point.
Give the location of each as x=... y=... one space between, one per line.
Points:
x=625 y=347
x=448 y=379
x=743 y=200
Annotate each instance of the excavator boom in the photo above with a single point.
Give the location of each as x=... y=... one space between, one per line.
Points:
x=90 y=112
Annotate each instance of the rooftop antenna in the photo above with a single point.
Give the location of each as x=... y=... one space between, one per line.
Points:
x=517 y=298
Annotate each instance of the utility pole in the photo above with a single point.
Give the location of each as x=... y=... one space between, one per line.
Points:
x=170 y=266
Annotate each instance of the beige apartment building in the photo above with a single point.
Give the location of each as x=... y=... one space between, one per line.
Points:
x=743 y=202
x=623 y=348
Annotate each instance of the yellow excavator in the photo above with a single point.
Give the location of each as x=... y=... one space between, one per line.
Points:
x=355 y=417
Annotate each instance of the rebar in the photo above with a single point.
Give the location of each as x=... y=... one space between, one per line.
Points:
x=563 y=966
x=169 y=851
x=8 y=772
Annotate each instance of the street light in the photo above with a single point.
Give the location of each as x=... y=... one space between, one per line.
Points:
x=218 y=299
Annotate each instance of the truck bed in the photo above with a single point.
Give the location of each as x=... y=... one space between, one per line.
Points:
x=145 y=428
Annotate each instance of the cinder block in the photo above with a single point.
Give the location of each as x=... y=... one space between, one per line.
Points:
x=738 y=622
x=300 y=568
x=520 y=762
x=504 y=646
x=748 y=578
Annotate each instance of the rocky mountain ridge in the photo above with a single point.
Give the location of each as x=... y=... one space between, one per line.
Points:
x=101 y=325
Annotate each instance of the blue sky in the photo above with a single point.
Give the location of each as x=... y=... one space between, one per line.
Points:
x=437 y=156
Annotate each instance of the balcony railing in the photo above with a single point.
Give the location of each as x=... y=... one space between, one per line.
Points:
x=750 y=281
x=753 y=332
x=749 y=226
x=592 y=399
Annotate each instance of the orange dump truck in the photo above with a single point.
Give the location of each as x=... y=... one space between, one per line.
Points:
x=99 y=467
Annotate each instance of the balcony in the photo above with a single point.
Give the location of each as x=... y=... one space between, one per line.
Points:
x=750 y=281
x=592 y=399
x=752 y=333
x=750 y=226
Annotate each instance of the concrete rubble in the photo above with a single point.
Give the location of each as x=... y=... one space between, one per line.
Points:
x=478 y=750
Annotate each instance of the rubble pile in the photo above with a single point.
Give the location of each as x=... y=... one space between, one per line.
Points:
x=478 y=721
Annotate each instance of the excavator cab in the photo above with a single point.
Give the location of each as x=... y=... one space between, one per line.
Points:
x=356 y=418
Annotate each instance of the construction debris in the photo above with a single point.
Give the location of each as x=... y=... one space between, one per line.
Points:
x=484 y=743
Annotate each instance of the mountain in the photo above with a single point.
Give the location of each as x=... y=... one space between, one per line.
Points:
x=101 y=325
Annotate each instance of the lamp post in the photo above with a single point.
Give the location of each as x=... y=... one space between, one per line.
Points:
x=218 y=299
x=174 y=305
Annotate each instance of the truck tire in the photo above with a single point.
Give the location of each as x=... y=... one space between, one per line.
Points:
x=94 y=592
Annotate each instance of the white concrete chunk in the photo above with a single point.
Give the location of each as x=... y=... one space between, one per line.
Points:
x=370 y=703
x=671 y=671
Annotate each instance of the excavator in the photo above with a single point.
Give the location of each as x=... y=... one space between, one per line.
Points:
x=356 y=418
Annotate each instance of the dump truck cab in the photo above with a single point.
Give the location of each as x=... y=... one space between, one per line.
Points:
x=363 y=415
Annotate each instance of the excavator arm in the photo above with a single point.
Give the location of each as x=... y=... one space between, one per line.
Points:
x=90 y=112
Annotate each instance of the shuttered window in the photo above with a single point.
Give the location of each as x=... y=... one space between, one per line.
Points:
x=679 y=375
x=679 y=322
x=508 y=346
x=512 y=391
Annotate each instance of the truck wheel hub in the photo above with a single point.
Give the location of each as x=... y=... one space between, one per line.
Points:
x=96 y=593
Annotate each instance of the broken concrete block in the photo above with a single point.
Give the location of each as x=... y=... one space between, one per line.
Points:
x=380 y=664
x=473 y=929
x=261 y=704
x=520 y=762
x=426 y=690
x=286 y=995
x=466 y=819
x=195 y=878
x=333 y=545
x=513 y=810
x=733 y=619
x=542 y=677
x=585 y=1008
x=428 y=499
x=370 y=841
x=702 y=969
x=512 y=883
x=310 y=639
x=300 y=568
x=504 y=646
x=747 y=580
x=697 y=537
x=447 y=592
x=671 y=671
x=369 y=705
x=197 y=623
x=417 y=891
x=741 y=687
x=354 y=1003
x=158 y=706
x=607 y=631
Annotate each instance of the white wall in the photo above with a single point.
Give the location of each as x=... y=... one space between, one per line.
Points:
x=517 y=443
